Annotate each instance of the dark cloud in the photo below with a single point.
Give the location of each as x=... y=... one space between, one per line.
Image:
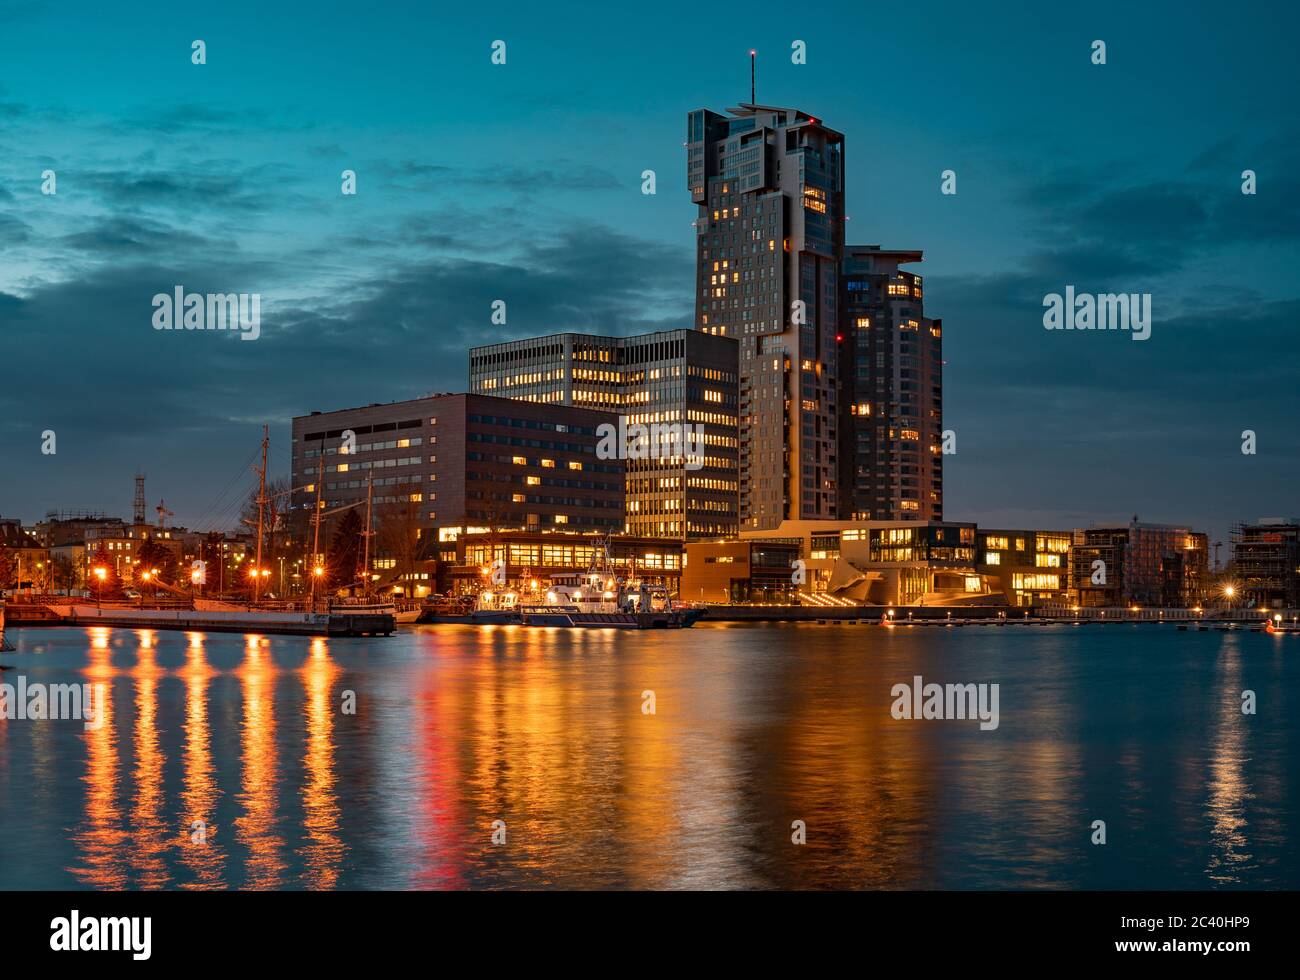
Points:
x=196 y=117
x=1105 y=223
x=13 y=231
x=170 y=189
x=557 y=175
x=187 y=406
x=138 y=236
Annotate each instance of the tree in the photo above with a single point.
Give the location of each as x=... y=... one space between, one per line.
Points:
x=63 y=573
x=399 y=534
x=8 y=569
x=212 y=553
x=111 y=587
x=343 y=565
x=153 y=555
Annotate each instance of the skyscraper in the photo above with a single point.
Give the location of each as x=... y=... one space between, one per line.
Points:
x=769 y=183
x=893 y=390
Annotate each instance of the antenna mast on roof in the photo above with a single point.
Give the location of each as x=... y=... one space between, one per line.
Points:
x=753 y=56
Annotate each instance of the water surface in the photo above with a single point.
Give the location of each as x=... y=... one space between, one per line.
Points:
x=754 y=727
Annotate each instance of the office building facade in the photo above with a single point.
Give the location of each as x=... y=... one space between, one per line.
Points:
x=463 y=461
x=1029 y=567
x=666 y=378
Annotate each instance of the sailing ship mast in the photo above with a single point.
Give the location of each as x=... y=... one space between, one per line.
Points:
x=368 y=533
x=261 y=507
x=315 y=520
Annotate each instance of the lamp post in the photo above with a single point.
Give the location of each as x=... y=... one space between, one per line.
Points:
x=101 y=573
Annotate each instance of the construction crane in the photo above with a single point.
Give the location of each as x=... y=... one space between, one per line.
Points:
x=163 y=514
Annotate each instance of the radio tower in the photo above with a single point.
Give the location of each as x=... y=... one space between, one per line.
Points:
x=139 y=498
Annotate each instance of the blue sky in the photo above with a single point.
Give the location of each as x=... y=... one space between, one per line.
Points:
x=522 y=182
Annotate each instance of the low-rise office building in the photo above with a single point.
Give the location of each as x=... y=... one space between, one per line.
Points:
x=751 y=571
x=525 y=561
x=450 y=464
x=1028 y=567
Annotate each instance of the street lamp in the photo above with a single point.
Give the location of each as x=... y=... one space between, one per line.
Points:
x=101 y=573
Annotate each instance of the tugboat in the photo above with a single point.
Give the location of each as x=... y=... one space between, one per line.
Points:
x=598 y=599
x=495 y=608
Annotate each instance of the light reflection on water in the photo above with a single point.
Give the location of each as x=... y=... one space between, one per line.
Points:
x=754 y=728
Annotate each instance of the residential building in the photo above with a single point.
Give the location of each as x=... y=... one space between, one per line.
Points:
x=1139 y=565
x=891 y=444
x=24 y=561
x=769 y=184
x=1266 y=562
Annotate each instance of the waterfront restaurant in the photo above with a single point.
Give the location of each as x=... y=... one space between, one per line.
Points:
x=922 y=563
x=902 y=563
x=466 y=557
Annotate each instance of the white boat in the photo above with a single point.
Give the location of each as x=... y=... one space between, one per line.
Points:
x=407 y=610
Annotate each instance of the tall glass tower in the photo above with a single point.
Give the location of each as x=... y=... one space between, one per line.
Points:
x=769 y=183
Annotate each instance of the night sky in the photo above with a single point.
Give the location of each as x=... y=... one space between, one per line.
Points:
x=522 y=182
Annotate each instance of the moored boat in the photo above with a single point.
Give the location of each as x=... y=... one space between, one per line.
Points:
x=4 y=644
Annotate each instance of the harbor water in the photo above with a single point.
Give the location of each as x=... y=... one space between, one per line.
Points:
x=508 y=757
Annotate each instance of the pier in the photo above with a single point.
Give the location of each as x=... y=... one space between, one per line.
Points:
x=203 y=617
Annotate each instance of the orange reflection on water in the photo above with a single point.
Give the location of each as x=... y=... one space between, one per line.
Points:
x=199 y=850
x=150 y=831
x=1228 y=788
x=323 y=850
x=256 y=828
x=101 y=839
